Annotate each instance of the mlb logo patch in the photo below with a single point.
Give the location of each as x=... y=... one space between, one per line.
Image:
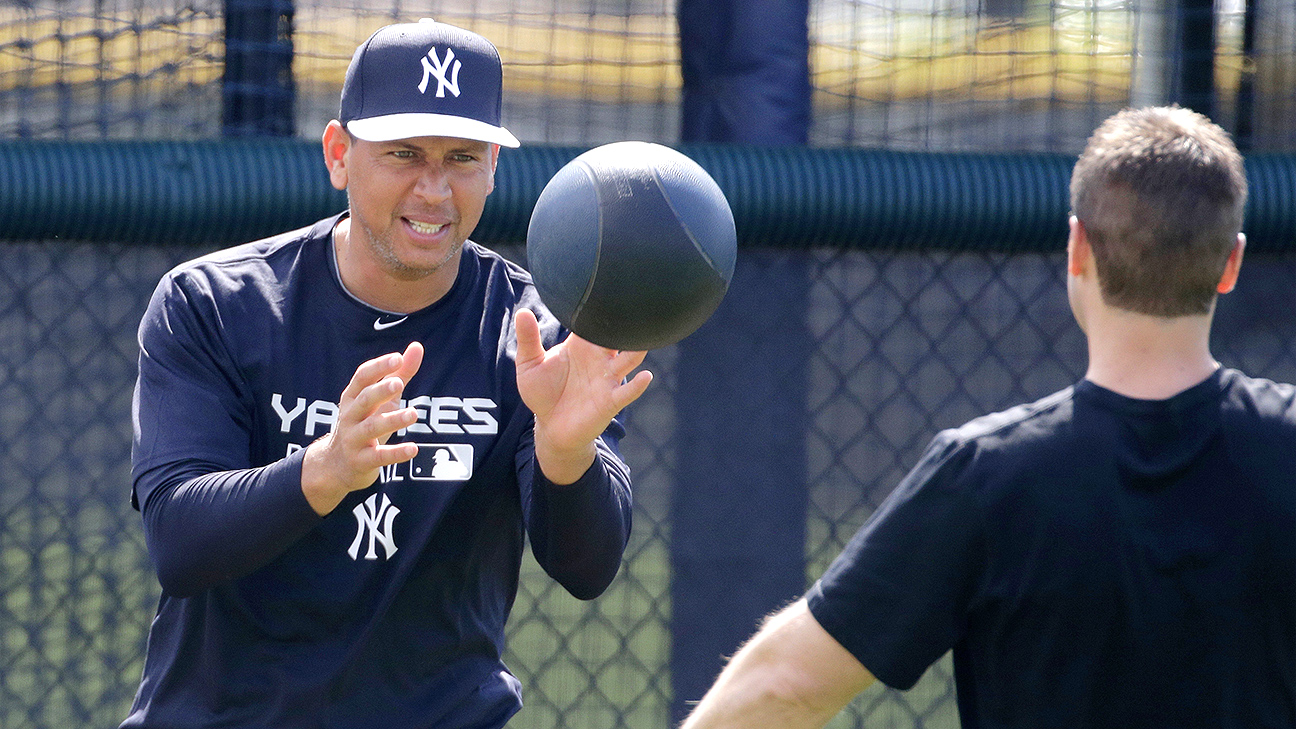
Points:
x=442 y=462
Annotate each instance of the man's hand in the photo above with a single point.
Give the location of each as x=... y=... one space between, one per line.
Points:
x=574 y=389
x=348 y=458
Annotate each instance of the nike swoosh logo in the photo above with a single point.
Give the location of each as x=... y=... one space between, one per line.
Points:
x=380 y=325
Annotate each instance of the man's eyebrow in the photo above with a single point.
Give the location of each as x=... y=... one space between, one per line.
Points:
x=470 y=146
x=467 y=145
x=397 y=144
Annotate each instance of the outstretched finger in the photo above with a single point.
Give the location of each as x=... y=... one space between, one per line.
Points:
x=380 y=397
x=386 y=455
x=383 y=422
x=529 y=346
x=630 y=390
x=371 y=372
x=613 y=362
x=365 y=460
x=624 y=361
x=411 y=360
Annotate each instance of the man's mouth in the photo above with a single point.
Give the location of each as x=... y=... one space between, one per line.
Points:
x=425 y=228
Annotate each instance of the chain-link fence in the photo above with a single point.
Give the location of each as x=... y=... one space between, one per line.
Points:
x=903 y=344
x=834 y=366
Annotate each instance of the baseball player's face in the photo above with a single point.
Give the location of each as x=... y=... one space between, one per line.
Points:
x=415 y=201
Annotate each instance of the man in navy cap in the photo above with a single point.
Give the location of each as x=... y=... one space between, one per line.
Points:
x=299 y=400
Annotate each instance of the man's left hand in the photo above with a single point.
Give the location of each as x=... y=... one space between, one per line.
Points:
x=574 y=389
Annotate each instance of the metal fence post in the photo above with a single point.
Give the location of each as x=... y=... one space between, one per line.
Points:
x=1194 y=54
x=743 y=81
x=257 y=88
x=1244 y=130
x=738 y=505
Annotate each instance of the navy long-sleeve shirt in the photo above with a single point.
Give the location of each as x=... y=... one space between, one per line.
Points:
x=389 y=611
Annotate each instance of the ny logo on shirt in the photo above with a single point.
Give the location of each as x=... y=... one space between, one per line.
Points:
x=434 y=67
x=374 y=519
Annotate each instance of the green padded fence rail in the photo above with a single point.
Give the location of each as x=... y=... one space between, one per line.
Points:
x=221 y=191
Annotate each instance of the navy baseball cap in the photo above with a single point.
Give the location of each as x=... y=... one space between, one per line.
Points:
x=425 y=79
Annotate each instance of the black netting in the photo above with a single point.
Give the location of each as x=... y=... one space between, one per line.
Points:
x=897 y=74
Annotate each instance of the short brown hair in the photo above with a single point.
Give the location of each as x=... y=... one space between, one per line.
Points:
x=1161 y=193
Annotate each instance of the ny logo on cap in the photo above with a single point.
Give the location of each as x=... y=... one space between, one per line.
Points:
x=433 y=66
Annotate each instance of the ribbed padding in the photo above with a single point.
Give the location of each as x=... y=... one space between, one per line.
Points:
x=229 y=191
x=161 y=192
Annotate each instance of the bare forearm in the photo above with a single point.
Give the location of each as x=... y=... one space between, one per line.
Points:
x=791 y=675
x=743 y=700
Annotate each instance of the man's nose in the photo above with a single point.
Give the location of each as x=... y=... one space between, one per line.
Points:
x=434 y=184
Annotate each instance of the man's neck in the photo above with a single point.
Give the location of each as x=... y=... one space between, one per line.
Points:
x=378 y=288
x=1148 y=357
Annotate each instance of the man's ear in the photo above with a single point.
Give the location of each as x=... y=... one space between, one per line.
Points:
x=337 y=142
x=1079 y=255
x=494 y=160
x=1232 y=266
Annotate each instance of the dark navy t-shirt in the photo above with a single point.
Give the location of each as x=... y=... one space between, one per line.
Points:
x=388 y=612
x=1093 y=561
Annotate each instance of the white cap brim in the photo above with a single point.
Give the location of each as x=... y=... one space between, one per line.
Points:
x=407 y=126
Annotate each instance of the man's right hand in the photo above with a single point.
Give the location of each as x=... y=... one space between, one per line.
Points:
x=348 y=458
